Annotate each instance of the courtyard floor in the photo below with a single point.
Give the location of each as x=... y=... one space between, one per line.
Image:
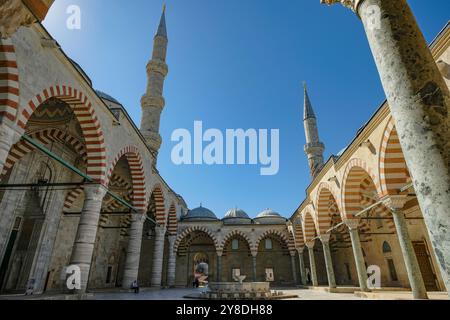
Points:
x=179 y=294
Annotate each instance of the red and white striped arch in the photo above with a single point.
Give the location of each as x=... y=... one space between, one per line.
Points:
x=137 y=174
x=85 y=114
x=325 y=201
x=46 y=136
x=9 y=81
x=283 y=238
x=394 y=173
x=193 y=229
x=309 y=225
x=298 y=236
x=158 y=197
x=172 y=224
x=355 y=172
x=237 y=233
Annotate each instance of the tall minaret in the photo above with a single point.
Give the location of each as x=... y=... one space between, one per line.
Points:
x=153 y=101
x=313 y=147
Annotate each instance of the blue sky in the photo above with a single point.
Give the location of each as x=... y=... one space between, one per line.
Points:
x=238 y=64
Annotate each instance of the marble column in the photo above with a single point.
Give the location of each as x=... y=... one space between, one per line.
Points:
x=294 y=273
x=325 y=239
x=131 y=269
x=83 y=247
x=395 y=204
x=254 y=268
x=158 y=256
x=8 y=137
x=419 y=100
x=219 y=267
x=312 y=263
x=352 y=225
x=172 y=265
x=301 y=261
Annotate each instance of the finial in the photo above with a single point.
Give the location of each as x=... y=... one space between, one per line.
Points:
x=164 y=7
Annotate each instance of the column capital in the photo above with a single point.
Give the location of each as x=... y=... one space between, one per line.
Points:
x=172 y=239
x=160 y=231
x=94 y=192
x=219 y=253
x=352 y=224
x=254 y=254
x=300 y=250
x=351 y=4
x=325 y=238
x=310 y=244
x=396 y=202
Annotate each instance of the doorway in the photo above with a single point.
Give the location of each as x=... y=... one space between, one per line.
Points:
x=425 y=265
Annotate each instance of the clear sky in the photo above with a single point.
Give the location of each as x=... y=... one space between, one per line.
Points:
x=238 y=64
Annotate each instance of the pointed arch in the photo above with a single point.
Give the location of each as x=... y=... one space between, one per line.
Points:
x=235 y=233
x=9 y=81
x=137 y=174
x=158 y=196
x=309 y=225
x=325 y=203
x=355 y=172
x=394 y=173
x=172 y=224
x=283 y=238
x=85 y=114
x=299 y=239
x=46 y=136
x=192 y=229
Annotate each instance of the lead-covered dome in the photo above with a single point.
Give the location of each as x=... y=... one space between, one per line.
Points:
x=268 y=213
x=236 y=213
x=269 y=216
x=236 y=216
x=200 y=213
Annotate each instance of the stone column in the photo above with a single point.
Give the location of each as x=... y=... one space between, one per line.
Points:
x=172 y=266
x=254 y=268
x=294 y=273
x=352 y=225
x=8 y=137
x=131 y=269
x=87 y=232
x=419 y=100
x=158 y=256
x=328 y=260
x=219 y=267
x=312 y=263
x=395 y=204
x=302 y=265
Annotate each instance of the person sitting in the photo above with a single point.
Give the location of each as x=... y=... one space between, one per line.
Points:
x=135 y=286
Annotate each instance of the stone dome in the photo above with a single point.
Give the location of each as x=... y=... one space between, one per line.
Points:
x=106 y=96
x=236 y=213
x=268 y=213
x=200 y=213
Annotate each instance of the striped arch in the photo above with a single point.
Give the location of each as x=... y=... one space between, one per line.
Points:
x=90 y=126
x=280 y=235
x=172 y=224
x=192 y=229
x=394 y=173
x=158 y=196
x=356 y=171
x=325 y=203
x=234 y=233
x=298 y=236
x=46 y=136
x=9 y=81
x=137 y=175
x=309 y=225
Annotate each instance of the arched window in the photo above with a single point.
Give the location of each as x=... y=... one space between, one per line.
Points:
x=268 y=244
x=235 y=244
x=386 y=247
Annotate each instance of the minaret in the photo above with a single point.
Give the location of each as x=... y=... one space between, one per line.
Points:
x=153 y=101
x=313 y=147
